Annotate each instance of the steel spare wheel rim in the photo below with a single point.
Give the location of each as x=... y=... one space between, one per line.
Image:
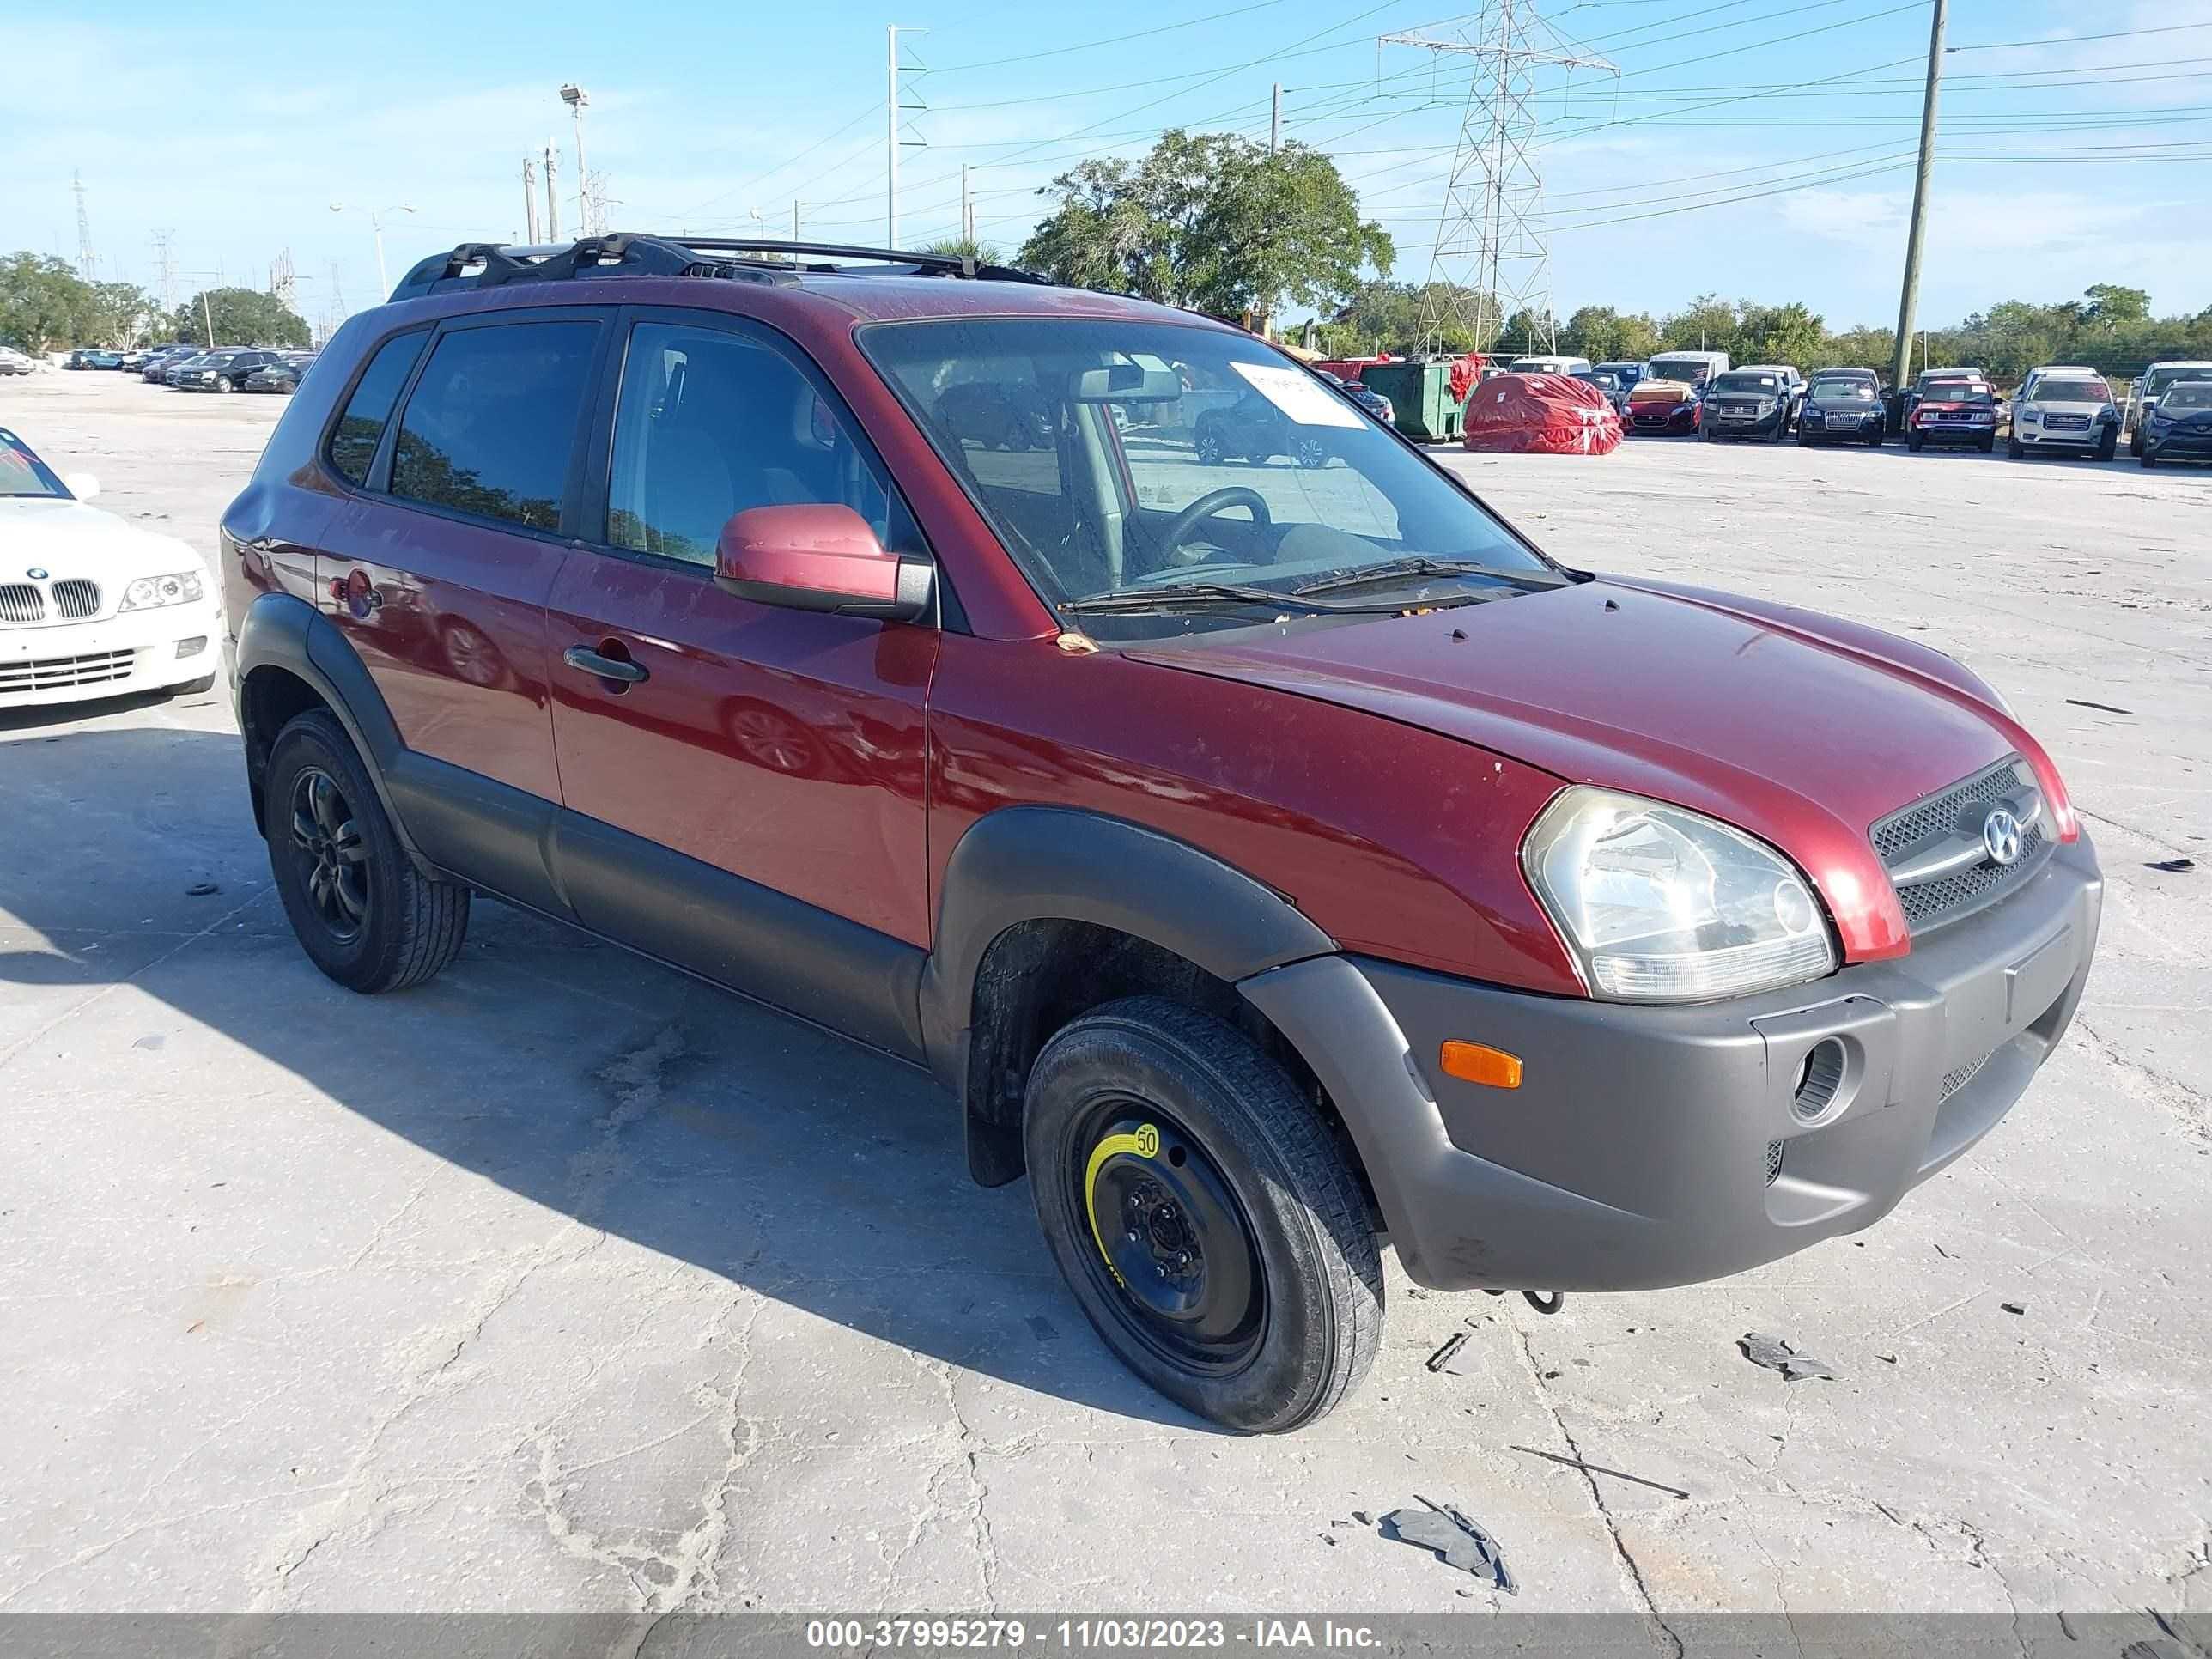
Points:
x=1174 y=1252
x=327 y=838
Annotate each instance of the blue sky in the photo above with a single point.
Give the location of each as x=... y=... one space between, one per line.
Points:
x=2068 y=161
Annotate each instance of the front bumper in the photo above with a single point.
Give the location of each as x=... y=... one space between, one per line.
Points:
x=1719 y=425
x=2190 y=445
x=1635 y=1154
x=2034 y=436
x=1856 y=427
x=79 y=662
x=1674 y=419
x=1985 y=434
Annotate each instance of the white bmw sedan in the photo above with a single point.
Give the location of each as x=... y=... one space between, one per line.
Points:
x=89 y=605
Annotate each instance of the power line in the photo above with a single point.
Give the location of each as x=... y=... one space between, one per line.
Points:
x=1110 y=40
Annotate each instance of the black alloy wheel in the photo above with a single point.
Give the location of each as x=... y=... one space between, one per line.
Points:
x=326 y=839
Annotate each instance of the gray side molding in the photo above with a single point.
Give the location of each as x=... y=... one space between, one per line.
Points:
x=1032 y=863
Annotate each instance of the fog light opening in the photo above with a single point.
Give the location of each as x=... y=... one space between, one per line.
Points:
x=192 y=646
x=1820 y=1080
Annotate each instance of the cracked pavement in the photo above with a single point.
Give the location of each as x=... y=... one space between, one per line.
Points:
x=567 y=1284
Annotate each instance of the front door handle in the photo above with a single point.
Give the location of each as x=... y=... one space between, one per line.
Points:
x=585 y=660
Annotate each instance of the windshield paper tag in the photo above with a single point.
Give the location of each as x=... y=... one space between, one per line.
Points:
x=1299 y=395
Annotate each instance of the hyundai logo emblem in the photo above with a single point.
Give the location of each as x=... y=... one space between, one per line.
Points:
x=2001 y=835
x=36 y=573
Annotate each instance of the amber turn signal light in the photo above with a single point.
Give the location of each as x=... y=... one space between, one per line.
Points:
x=1478 y=1062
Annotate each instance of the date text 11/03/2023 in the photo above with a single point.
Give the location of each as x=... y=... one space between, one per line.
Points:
x=1086 y=1635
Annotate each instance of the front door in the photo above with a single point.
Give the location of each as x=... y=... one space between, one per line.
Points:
x=751 y=782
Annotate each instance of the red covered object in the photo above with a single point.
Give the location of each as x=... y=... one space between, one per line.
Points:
x=1465 y=373
x=1541 y=415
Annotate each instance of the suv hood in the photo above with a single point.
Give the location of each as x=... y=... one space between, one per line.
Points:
x=1790 y=726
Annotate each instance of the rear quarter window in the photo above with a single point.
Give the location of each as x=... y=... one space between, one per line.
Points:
x=489 y=428
x=360 y=427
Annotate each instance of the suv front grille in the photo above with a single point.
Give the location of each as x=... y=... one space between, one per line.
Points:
x=1950 y=820
x=19 y=602
x=58 y=673
x=77 y=599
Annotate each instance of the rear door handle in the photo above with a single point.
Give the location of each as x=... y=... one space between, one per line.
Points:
x=584 y=660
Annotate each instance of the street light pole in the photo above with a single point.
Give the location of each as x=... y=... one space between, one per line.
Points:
x=576 y=97
x=376 y=226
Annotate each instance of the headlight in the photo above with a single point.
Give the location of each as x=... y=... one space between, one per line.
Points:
x=2029 y=412
x=1664 y=905
x=182 y=588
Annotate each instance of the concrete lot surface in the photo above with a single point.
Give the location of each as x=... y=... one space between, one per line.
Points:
x=565 y=1283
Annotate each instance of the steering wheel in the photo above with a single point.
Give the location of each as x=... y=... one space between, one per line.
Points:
x=1211 y=503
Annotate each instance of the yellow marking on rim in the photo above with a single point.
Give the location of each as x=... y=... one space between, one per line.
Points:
x=1145 y=1143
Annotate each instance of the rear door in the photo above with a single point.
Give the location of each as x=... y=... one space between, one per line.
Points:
x=437 y=573
x=749 y=802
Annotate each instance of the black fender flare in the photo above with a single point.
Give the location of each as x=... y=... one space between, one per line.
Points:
x=282 y=630
x=1022 y=863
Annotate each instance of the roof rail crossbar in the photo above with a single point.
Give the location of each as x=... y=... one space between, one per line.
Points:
x=946 y=265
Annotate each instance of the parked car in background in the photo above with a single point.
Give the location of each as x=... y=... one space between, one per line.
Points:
x=2150 y=386
x=281 y=376
x=1665 y=399
x=219 y=371
x=1628 y=374
x=157 y=366
x=1793 y=382
x=1953 y=412
x=95 y=358
x=1373 y=402
x=2179 y=426
x=1936 y=380
x=1611 y=383
x=91 y=606
x=13 y=361
x=1255 y=429
x=2064 y=408
x=1163 y=851
x=997 y=415
x=1746 y=402
x=1544 y=364
x=1842 y=405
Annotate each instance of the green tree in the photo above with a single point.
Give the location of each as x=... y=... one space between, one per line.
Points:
x=240 y=316
x=967 y=247
x=1604 y=335
x=1777 y=334
x=118 y=313
x=1709 y=323
x=1210 y=222
x=43 y=303
x=2111 y=306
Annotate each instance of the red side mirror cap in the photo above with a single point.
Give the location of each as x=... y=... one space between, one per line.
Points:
x=820 y=557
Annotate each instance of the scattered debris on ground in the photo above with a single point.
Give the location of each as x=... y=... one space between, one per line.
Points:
x=1778 y=1355
x=202 y=890
x=1600 y=1469
x=1456 y=1539
x=2012 y=1307
x=2172 y=867
x=1443 y=1356
x=2082 y=702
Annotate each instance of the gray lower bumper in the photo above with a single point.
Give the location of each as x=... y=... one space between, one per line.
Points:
x=1635 y=1155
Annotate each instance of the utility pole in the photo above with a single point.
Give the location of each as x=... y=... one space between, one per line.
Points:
x=795 y=205
x=207 y=317
x=1275 y=122
x=552 y=198
x=893 y=103
x=1901 y=364
x=967 y=209
x=1493 y=211
x=586 y=221
x=530 y=198
x=87 y=262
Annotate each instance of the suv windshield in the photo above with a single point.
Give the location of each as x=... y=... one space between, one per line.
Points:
x=2159 y=378
x=1747 y=383
x=2070 y=392
x=1841 y=385
x=22 y=473
x=2188 y=394
x=1122 y=458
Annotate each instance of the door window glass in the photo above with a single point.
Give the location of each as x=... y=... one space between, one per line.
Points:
x=710 y=424
x=490 y=424
x=353 y=445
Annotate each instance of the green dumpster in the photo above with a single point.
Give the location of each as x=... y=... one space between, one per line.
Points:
x=1420 y=398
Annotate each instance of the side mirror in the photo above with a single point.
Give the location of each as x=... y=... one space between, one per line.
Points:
x=83 y=485
x=820 y=557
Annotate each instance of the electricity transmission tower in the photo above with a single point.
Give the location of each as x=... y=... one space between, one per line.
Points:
x=1490 y=258
x=87 y=262
x=164 y=267
x=282 y=283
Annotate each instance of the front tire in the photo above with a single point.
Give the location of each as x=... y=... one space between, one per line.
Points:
x=222 y=383
x=1203 y=1215
x=364 y=913
x=2014 y=449
x=2109 y=444
x=1914 y=443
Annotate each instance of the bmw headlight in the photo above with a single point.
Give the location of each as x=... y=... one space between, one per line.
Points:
x=182 y=588
x=1663 y=905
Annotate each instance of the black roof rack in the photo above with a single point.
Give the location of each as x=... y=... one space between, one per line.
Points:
x=494 y=264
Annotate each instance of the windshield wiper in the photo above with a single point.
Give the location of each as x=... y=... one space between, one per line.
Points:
x=1198 y=596
x=1422 y=565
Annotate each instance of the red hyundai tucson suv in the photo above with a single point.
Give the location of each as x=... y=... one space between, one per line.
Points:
x=1274 y=855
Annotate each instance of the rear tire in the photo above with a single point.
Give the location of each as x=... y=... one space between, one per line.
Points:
x=364 y=913
x=1234 y=1266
